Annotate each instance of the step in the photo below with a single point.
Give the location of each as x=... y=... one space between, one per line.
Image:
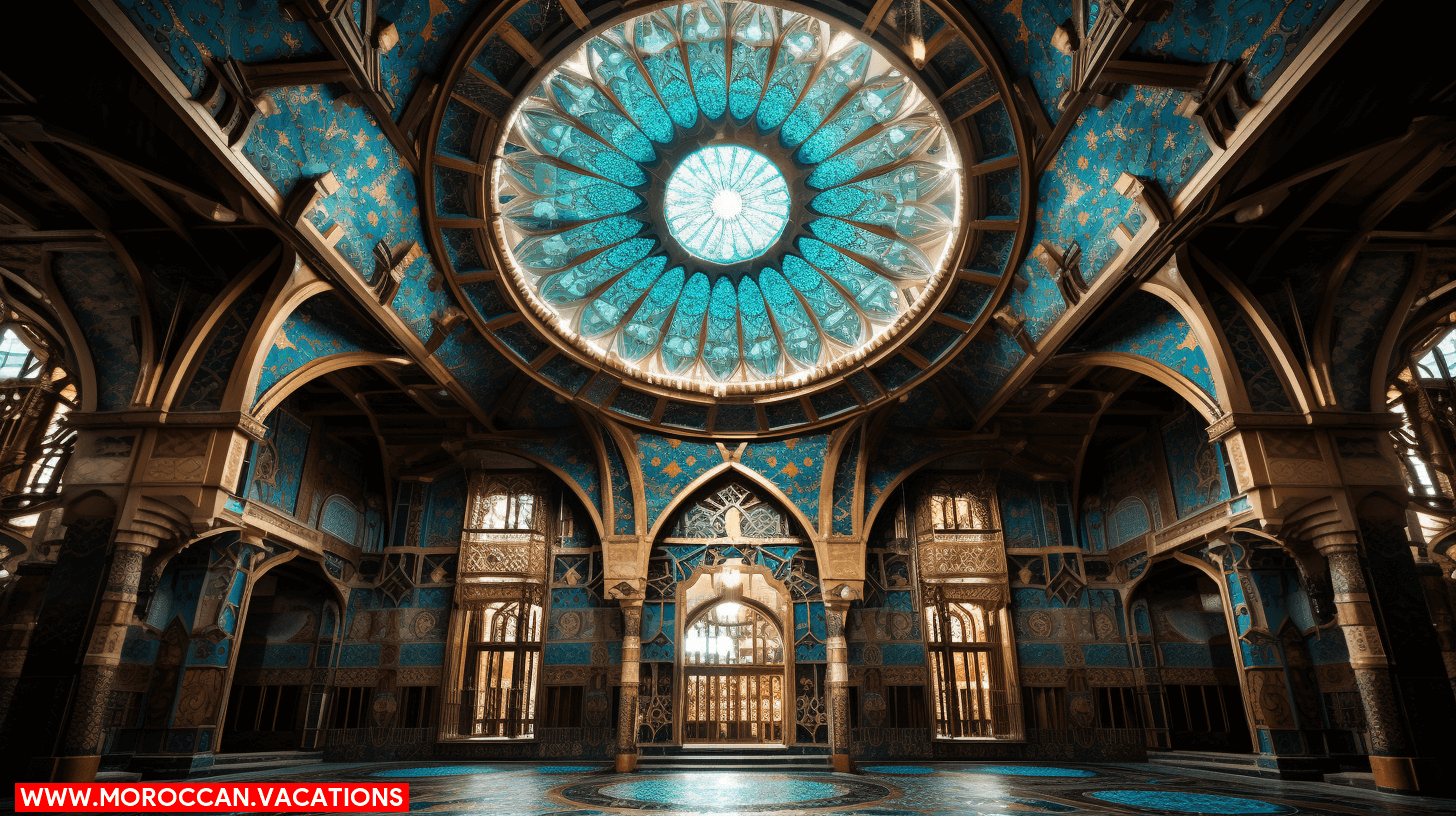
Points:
x=268 y=756
x=1355 y=779
x=1206 y=756
x=1214 y=767
x=263 y=761
x=118 y=776
x=760 y=760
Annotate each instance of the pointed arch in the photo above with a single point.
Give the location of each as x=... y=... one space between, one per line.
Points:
x=296 y=283
x=617 y=435
x=207 y=331
x=316 y=368
x=885 y=497
x=1181 y=385
x=565 y=478
x=757 y=479
x=1276 y=346
x=844 y=441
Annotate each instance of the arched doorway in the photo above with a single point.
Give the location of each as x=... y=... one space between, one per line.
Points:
x=733 y=628
x=733 y=670
x=1180 y=613
x=289 y=631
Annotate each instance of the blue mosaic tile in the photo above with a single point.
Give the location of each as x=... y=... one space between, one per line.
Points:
x=731 y=792
x=1180 y=802
x=912 y=770
x=1030 y=770
x=436 y=770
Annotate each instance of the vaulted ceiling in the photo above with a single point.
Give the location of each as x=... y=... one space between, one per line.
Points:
x=174 y=166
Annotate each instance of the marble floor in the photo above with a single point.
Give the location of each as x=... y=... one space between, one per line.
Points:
x=590 y=789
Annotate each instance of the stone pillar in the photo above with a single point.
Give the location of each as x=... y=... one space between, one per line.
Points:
x=80 y=748
x=1391 y=750
x=631 y=665
x=835 y=612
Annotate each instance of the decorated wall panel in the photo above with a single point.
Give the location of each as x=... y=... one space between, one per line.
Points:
x=99 y=292
x=1196 y=466
x=275 y=473
x=321 y=326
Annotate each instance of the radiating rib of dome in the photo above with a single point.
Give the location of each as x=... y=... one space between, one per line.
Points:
x=591 y=276
x=886 y=193
x=702 y=32
x=760 y=345
x=875 y=104
x=554 y=197
x=720 y=336
x=607 y=311
x=618 y=73
x=643 y=331
x=580 y=98
x=657 y=43
x=684 y=333
x=548 y=133
x=800 y=49
x=845 y=69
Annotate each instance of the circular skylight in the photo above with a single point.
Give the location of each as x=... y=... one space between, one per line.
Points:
x=726 y=203
x=727 y=199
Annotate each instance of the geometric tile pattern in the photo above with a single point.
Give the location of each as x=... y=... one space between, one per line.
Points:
x=940 y=788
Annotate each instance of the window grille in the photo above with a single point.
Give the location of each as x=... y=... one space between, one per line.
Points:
x=499 y=663
x=967 y=669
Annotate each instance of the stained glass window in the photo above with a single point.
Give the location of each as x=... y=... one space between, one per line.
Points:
x=727 y=197
x=726 y=203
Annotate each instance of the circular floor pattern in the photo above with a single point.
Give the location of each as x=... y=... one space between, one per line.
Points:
x=730 y=792
x=898 y=769
x=436 y=770
x=1030 y=770
x=1179 y=802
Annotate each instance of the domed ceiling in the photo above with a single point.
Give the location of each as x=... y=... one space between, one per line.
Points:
x=724 y=202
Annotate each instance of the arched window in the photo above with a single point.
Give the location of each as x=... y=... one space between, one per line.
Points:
x=505 y=509
x=967 y=667
x=733 y=634
x=17 y=361
x=733 y=678
x=496 y=681
x=496 y=628
x=956 y=504
x=35 y=395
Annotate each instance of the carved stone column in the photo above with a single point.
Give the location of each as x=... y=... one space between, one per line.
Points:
x=80 y=751
x=631 y=663
x=835 y=612
x=1392 y=753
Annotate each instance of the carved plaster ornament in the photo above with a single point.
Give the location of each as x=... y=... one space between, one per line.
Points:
x=624 y=591
x=733 y=521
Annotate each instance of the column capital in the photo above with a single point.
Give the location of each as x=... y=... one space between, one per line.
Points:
x=136 y=542
x=1336 y=541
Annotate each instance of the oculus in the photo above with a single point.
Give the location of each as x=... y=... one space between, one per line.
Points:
x=726 y=203
x=727 y=198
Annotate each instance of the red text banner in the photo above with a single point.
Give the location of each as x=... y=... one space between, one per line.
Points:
x=202 y=797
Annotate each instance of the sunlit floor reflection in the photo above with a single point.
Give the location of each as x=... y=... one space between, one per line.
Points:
x=587 y=788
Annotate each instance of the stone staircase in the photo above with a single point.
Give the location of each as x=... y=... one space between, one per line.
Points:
x=734 y=758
